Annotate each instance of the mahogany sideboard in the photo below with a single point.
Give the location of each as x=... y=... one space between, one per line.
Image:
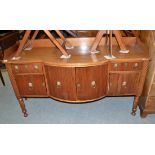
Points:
x=85 y=77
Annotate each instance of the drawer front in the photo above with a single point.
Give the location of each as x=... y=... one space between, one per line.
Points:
x=123 y=83
x=152 y=91
x=27 y=68
x=126 y=66
x=31 y=85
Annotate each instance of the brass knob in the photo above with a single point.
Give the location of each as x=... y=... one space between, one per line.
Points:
x=115 y=65
x=30 y=84
x=93 y=84
x=36 y=66
x=16 y=67
x=58 y=83
x=124 y=83
x=136 y=65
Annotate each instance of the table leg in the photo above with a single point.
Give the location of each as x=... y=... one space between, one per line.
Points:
x=22 y=105
x=135 y=104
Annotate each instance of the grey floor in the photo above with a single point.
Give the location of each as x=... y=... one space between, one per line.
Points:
x=110 y=110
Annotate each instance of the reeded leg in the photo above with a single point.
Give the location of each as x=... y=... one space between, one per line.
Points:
x=22 y=105
x=135 y=104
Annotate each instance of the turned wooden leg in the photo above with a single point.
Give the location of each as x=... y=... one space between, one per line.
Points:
x=135 y=104
x=22 y=105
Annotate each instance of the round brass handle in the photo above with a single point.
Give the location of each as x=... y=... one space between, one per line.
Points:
x=93 y=84
x=58 y=83
x=124 y=84
x=16 y=67
x=136 y=65
x=115 y=65
x=30 y=84
x=36 y=66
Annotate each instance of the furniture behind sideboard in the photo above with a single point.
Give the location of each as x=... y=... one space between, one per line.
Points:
x=147 y=100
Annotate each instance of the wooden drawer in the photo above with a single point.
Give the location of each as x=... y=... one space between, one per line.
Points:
x=123 y=83
x=126 y=66
x=31 y=85
x=152 y=91
x=27 y=68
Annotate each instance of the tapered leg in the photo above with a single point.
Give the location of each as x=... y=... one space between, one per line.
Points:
x=135 y=104
x=22 y=105
x=1 y=76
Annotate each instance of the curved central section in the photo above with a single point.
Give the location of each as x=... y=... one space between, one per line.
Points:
x=77 y=84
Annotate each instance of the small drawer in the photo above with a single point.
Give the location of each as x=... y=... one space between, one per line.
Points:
x=36 y=68
x=136 y=66
x=31 y=85
x=27 y=68
x=115 y=66
x=126 y=66
x=152 y=91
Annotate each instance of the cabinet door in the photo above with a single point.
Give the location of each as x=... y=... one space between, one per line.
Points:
x=31 y=85
x=61 y=82
x=91 y=82
x=123 y=83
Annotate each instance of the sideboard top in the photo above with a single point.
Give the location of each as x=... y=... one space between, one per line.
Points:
x=44 y=51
